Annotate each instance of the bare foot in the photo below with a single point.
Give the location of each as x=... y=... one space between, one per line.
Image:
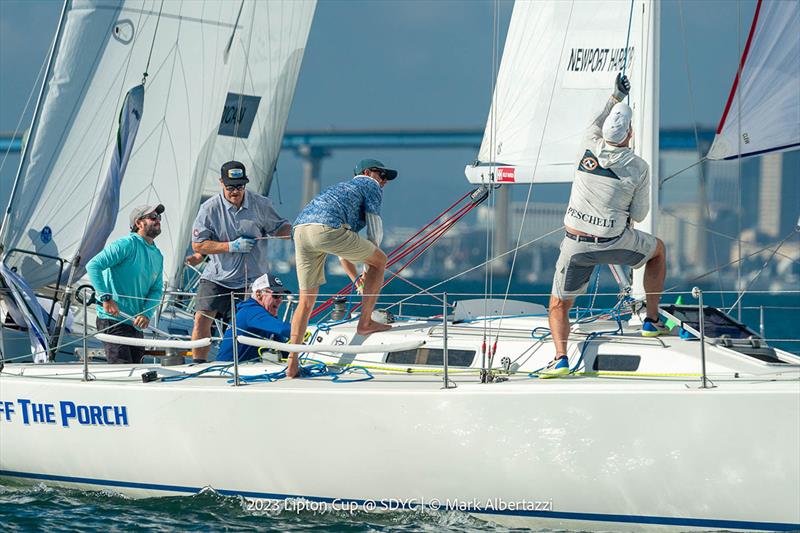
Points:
x=372 y=327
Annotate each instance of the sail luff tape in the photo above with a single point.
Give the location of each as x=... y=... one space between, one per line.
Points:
x=153 y=343
x=330 y=348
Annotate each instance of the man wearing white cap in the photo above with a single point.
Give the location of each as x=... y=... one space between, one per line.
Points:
x=257 y=317
x=609 y=192
x=127 y=278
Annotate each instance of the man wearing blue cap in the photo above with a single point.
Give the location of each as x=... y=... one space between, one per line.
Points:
x=329 y=224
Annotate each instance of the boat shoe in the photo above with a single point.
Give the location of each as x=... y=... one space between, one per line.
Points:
x=653 y=328
x=556 y=368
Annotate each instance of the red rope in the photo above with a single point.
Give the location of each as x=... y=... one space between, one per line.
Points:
x=398 y=253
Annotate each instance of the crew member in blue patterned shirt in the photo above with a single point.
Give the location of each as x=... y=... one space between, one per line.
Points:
x=329 y=224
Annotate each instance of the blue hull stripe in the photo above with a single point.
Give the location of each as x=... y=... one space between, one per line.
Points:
x=589 y=517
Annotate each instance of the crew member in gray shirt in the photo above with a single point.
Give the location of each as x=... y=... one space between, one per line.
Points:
x=232 y=229
x=610 y=190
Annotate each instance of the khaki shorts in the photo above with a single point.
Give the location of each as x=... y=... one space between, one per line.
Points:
x=577 y=260
x=313 y=243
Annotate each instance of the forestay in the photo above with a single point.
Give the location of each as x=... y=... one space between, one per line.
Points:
x=559 y=63
x=195 y=53
x=764 y=104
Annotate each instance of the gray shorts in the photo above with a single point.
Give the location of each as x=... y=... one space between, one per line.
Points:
x=215 y=299
x=577 y=260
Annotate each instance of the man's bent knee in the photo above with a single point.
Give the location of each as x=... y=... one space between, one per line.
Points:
x=377 y=259
x=557 y=304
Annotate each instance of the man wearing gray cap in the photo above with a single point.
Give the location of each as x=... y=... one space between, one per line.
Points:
x=609 y=192
x=329 y=224
x=127 y=278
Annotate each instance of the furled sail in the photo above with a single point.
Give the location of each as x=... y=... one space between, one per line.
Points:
x=762 y=113
x=558 y=67
x=189 y=51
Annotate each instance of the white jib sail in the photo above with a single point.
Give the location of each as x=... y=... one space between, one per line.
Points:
x=764 y=103
x=265 y=64
x=558 y=68
x=102 y=53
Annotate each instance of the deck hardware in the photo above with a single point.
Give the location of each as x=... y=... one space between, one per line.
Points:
x=697 y=293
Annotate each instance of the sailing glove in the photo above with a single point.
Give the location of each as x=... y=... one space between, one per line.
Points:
x=621 y=87
x=242 y=245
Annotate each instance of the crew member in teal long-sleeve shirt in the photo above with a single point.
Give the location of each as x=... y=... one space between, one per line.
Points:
x=127 y=278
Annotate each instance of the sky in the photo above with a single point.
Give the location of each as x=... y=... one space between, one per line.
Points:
x=411 y=64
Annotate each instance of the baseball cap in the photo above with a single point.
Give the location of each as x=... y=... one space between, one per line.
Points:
x=268 y=281
x=617 y=123
x=142 y=210
x=364 y=164
x=233 y=173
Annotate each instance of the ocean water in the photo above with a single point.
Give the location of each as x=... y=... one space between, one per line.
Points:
x=27 y=507
x=40 y=508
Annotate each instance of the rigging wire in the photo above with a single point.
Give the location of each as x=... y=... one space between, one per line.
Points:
x=530 y=186
x=701 y=170
x=738 y=301
x=152 y=43
x=25 y=109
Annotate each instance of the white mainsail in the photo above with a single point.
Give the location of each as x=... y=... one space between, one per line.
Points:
x=764 y=104
x=558 y=67
x=104 y=47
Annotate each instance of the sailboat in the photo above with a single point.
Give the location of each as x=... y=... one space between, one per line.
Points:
x=447 y=411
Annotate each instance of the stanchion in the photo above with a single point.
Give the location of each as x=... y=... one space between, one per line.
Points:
x=235 y=342
x=697 y=293
x=444 y=342
x=85 y=336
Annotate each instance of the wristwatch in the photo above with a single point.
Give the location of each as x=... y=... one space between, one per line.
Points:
x=104 y=298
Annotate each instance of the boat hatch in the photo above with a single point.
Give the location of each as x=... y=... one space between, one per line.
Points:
x=617 y=362
x=432 y=357
x=716 y=323
x=723 y=330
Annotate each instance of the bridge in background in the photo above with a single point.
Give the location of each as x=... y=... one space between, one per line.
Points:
x=312 y=146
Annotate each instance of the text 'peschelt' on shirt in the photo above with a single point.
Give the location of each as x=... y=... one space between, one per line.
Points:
x=130 y=270
x=344 y=204
x=221 y=221
x=611 y=183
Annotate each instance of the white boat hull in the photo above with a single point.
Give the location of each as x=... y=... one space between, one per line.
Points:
x=592 y=454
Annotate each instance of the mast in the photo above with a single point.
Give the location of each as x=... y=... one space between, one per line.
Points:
x=34 y=122
x=648 y=117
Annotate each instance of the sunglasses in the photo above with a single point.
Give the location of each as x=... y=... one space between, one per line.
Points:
x=380 y=171
x=151 y=216
x=231 y=188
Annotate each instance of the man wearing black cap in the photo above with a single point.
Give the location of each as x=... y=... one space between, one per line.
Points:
x=257 y=317
x=127 y=278
x=329 y=224
x=232 y=228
